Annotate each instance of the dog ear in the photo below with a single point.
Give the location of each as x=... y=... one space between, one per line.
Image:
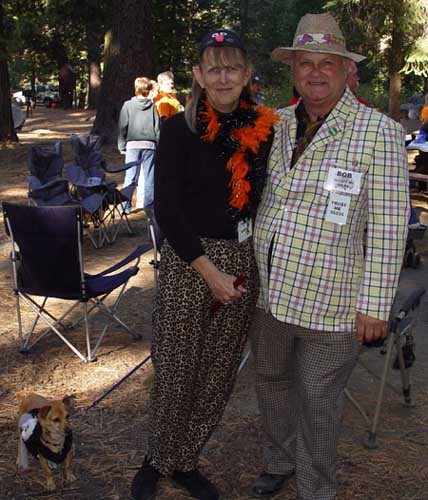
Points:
x=68 y=401
x=43 y=412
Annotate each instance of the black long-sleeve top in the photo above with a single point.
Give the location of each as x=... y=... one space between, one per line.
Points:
x=192 y=189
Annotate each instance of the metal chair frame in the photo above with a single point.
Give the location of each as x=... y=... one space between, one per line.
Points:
x=399 y=327
x=89 y=304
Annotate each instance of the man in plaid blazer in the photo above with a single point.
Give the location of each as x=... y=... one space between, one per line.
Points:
x=329 y=239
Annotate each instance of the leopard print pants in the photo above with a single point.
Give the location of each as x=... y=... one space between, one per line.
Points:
x=195 y=354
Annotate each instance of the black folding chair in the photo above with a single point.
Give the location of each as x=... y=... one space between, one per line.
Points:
x=397 y=350
x=47 y=262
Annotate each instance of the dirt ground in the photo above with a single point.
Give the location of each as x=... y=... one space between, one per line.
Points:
x=110 y=438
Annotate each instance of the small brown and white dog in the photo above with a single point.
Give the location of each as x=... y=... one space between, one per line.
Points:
x=44 y=431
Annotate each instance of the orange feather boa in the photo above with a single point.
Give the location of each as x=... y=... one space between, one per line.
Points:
x=249 y=138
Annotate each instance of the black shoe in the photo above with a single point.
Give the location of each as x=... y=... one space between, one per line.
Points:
x=267 y=485
x=145 y=482
x=196 y=484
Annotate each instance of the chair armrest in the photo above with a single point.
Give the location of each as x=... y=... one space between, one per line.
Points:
x=45 y=190
x=79 y=178
x=136 y=254
x=36 y=185
x=120 y=168
x=411 y=302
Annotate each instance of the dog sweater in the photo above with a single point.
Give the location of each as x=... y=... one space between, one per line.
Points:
x=31 y=434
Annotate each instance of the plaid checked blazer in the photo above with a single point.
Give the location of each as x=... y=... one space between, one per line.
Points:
x=320 y=272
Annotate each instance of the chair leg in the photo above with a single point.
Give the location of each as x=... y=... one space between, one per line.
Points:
x=357 y=406
x=122 y=220
x=89 y=356
x=155 y=261
x=18 y=313
x=33 y=326
x=405 y=375
x=110 y=312
x=52 y=326
x=40 y=310
x=372 y=436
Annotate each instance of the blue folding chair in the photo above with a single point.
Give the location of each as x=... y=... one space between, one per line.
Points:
x=47 y=262
x=88 y=175
x=48 y=187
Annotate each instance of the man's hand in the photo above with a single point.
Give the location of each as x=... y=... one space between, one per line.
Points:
x=369 y=329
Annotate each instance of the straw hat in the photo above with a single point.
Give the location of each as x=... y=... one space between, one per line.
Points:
x=316 y=33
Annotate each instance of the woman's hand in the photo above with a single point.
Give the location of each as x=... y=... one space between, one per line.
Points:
x=220 y=283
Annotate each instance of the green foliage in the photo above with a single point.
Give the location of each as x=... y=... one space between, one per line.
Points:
x=46 y=34
x=40 y=35
x=278 y=95
x=179 y=26
x=388 y=31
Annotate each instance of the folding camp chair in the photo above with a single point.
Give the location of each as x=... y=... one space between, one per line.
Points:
x=88 y=174
x=399 y=340
x=47 y=262
x=48 y=187
x=156 y=239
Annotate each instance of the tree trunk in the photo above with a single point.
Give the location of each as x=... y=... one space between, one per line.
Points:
x=396 y=60
x=94 y=85
x=94 y=70
x=7 y=129
x=128 y=50
x=244 y=13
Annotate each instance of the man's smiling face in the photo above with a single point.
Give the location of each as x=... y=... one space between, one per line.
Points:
x=320 y=78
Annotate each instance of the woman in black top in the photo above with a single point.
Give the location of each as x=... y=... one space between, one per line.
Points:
x=209 y=175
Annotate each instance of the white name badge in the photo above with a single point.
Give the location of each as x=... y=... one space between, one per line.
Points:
x=337 y=209
x=245 y=230
x=343 y=181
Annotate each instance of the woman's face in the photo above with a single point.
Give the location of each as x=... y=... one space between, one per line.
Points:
x=223 y=75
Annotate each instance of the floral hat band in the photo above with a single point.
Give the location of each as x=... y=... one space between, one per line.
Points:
x=316 y=33
x=308 y=39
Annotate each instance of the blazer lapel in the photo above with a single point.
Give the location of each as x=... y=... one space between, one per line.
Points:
x=282 y=147
x=334 y=126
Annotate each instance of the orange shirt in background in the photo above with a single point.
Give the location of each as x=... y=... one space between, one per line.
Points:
x=167 y=105
x=424 y=114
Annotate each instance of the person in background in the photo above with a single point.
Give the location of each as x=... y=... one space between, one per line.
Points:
x=256 y=87
x=295 y=99
x=154 y=90
x=137 y=139
x=424 y=115
x=210 y=171
x=166 y=101
x=329 y=238
x=353 y=81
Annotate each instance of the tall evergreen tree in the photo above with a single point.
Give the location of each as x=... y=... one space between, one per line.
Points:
x=387 y=30
x=7 y=130
x=127 y=55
